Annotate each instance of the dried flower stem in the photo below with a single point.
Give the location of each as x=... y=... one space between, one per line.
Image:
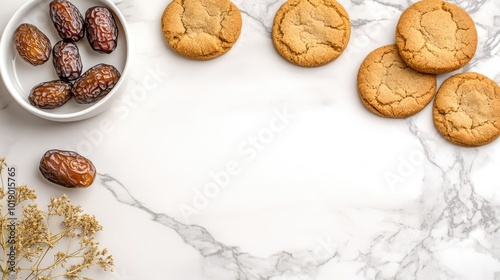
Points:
x=39 y=234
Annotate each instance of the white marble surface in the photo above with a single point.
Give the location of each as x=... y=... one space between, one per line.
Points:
x=327 y=191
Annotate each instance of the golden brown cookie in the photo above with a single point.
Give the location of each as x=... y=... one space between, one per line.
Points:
x=467 y=110
x=311 y=32
x=436 y=37
x=390 y=88
x=201 y=29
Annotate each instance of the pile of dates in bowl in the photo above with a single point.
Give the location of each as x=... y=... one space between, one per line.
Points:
x=67 y=53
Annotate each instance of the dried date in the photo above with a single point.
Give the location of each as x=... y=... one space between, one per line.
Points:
x=67 y=169
x=95 y=83
x=32 y=44
x=102 y=31
x=50 y=95
x=67 y=20
x=67 y=61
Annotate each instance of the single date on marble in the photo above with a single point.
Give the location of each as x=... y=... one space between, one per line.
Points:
x=50 y=95
x=32 y=44
x=67 y=168
x=95 y=83
x=102 y=31
x=67 y=61
x=67 y=20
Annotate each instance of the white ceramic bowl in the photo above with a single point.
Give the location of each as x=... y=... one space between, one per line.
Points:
x=20 y=77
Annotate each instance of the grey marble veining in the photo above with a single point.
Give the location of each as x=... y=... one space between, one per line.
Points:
x=225 y=261
x=450 y=211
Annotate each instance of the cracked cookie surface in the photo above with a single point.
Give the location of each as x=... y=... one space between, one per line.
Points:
x=390 y=88
x=201 y=29
x=311 y=33
x=436 y=37
x=467 y=110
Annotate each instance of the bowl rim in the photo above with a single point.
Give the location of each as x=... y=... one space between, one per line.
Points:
x=85 y=113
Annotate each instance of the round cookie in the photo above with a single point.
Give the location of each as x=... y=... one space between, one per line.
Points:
x=467 y=110
x=311 y=33
x=436 y=37
x=390 y=88
x=201 y=29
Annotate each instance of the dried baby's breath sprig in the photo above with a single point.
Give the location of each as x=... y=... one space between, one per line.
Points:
x=56 y=243
x=2 y=190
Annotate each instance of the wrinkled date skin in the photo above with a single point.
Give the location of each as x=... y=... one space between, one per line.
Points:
x=96 y=83
x=50 y=95
x=67 y=61
x=67 y=169
x=32 y=44
x=102 y=31
x=67 y=20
